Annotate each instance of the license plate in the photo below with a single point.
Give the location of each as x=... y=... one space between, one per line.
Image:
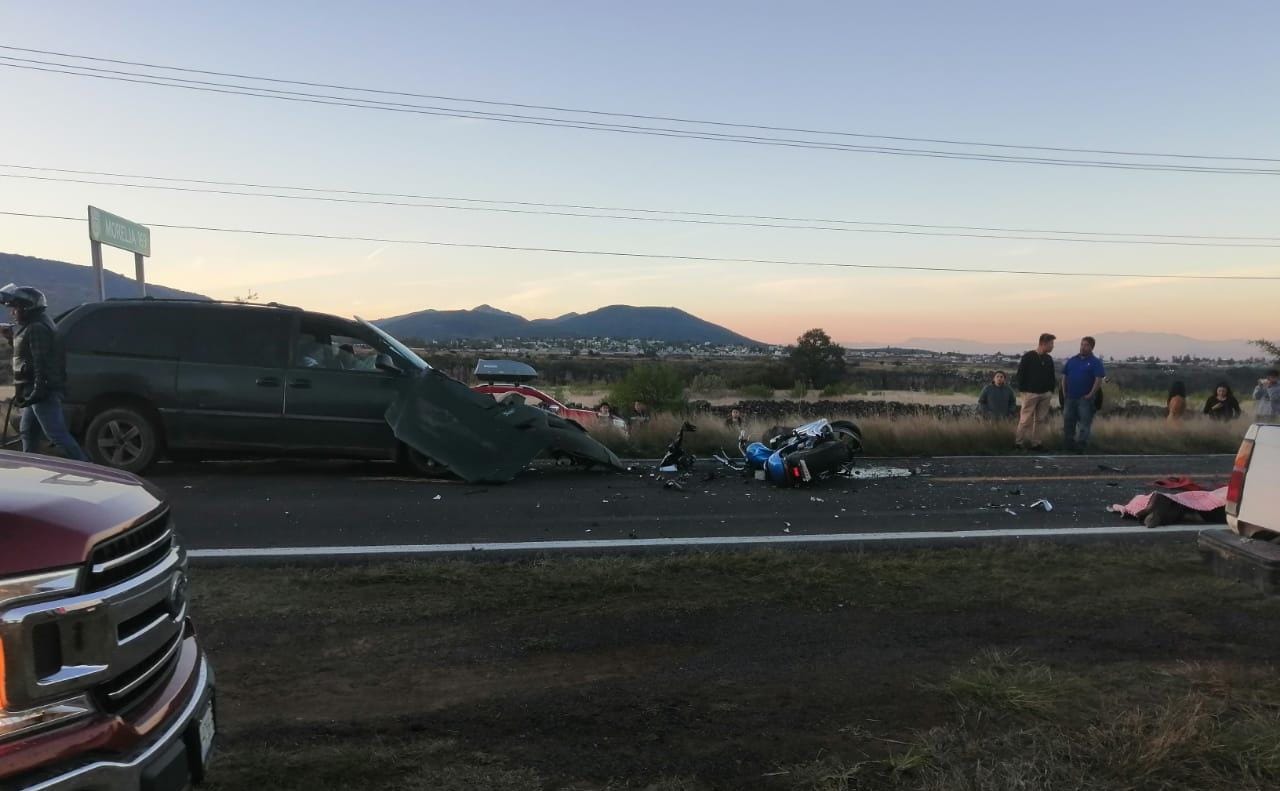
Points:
x=207 y=730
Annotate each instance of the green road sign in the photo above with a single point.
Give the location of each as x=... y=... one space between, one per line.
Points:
x=109 y=229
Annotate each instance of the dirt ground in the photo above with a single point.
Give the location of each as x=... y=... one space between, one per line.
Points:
x=1034 y=668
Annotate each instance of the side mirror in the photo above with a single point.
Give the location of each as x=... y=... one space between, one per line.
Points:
x=383 y=362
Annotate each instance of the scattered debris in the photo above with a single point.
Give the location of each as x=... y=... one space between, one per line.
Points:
x=674 y=485
x=1010 y=512
x=875 y=473
x=1043 y=505
x=437 y=497
x=1107 y=468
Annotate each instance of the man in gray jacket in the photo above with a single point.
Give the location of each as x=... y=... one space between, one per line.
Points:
x=1267 y=396
x=39 y=371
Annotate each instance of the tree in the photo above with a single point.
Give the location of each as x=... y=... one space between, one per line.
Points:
x=1270 y=347
x=816 y=359
x=655 y=384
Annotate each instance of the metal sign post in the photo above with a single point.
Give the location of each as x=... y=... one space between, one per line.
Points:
x=107 y=228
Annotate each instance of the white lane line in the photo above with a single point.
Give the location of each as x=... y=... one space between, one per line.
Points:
x=690 y=541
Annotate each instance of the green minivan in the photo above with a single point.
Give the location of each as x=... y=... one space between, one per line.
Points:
x=149 y=378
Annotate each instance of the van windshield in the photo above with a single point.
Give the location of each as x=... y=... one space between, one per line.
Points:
x=400 y=349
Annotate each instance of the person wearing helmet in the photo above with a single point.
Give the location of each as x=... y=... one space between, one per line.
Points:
x=39 y=371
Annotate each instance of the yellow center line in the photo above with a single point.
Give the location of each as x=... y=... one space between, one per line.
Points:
x=1100 y=477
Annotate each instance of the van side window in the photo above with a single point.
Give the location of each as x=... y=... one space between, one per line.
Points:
x=235 y=336
x=323 y=342
x=127 y=331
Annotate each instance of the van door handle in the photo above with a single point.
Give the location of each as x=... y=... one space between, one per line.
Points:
x=300 y=384
x=268 y=381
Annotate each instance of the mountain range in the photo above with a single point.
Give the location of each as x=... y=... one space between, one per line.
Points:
x=1111 y=345
x=670 y=325
x=67 y=285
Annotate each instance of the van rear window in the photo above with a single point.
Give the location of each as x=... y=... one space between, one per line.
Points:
x=127 y=331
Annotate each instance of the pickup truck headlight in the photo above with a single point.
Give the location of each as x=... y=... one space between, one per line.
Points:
x=32 y=586
x=16 y=723
x=14 y=590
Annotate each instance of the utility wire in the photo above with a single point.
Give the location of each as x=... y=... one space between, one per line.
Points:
x=670 y=257
x=639 y=116
x=637 y=210
x=682 y=220
x=341 y=101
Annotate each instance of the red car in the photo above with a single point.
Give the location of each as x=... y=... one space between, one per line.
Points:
x=503 y=377
x=102 y=682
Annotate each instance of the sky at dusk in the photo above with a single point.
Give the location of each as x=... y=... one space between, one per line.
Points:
x=1194 y=78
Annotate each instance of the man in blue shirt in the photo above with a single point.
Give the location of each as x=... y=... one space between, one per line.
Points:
x=1082 y=375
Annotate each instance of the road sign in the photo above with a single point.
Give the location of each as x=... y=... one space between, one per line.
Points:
x=109 y=229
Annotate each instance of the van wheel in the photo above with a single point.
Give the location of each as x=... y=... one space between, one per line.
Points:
x=419 y=463
x=123 y=437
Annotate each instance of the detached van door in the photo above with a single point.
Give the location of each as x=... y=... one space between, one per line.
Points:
x=231 y=373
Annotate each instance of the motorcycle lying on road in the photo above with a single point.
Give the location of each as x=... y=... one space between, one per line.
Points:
x=802 y=455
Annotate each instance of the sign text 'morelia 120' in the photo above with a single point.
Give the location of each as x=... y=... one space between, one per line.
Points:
x=110 y=229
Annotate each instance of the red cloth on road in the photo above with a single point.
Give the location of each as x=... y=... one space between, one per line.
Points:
x=1195 y=500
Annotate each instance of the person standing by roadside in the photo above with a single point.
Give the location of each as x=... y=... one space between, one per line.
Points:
x=1267 y=396
x=1082 y=375
x=1177 y=402
x=39 y=371
x=997 y=401
x=1222 y=405
x=1036 y=383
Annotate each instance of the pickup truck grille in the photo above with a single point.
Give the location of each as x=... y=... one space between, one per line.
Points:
x=129 y=553
x=119 y=694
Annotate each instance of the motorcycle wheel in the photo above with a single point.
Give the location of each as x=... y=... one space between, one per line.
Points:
x=847 y=431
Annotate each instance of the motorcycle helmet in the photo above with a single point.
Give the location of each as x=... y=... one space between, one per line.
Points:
x=23 y=297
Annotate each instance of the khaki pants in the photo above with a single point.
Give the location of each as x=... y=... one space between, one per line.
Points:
x=1035 y=416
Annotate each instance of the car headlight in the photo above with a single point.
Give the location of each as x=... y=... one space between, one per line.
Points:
x=33 y=586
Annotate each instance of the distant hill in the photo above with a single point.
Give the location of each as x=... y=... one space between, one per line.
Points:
x=67 y=285
x=1111 y=345
x=669 y=325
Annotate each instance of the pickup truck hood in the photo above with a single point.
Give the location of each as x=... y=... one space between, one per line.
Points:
x=53 y=511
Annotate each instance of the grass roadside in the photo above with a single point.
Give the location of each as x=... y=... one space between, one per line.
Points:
x=951 y=669
x=930 y=436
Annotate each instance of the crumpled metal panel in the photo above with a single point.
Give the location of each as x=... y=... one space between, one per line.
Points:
x=479 y=439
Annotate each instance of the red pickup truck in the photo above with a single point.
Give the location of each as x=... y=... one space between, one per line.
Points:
x=103 y=685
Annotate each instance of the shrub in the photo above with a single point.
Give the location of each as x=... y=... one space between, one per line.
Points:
x=655 y=384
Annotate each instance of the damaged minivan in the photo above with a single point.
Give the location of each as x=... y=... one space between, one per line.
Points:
x=152 y=378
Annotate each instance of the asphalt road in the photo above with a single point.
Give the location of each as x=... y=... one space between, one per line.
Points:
x=339 y=504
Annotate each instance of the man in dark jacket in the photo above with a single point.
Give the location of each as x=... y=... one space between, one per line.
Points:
x=39 y=371
x=1037 y=380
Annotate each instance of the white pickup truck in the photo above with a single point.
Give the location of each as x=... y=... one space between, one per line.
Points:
x=1253 y=493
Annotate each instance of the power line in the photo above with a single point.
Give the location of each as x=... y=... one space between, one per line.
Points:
x=366 y=104
x=638 y=210
x=640 y=116
x=682 y=220
x=670 y=257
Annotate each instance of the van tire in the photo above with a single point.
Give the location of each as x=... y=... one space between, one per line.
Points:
x=420 y=464
x=123 y=437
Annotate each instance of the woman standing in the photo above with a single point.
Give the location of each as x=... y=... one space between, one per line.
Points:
x=1222 y=405
x=1177 y=402
x=997 y=400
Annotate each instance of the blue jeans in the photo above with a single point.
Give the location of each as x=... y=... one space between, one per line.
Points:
x=46 y=418
x=1077 y=422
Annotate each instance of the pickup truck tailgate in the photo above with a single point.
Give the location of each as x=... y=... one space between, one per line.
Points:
x=1260 y=499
